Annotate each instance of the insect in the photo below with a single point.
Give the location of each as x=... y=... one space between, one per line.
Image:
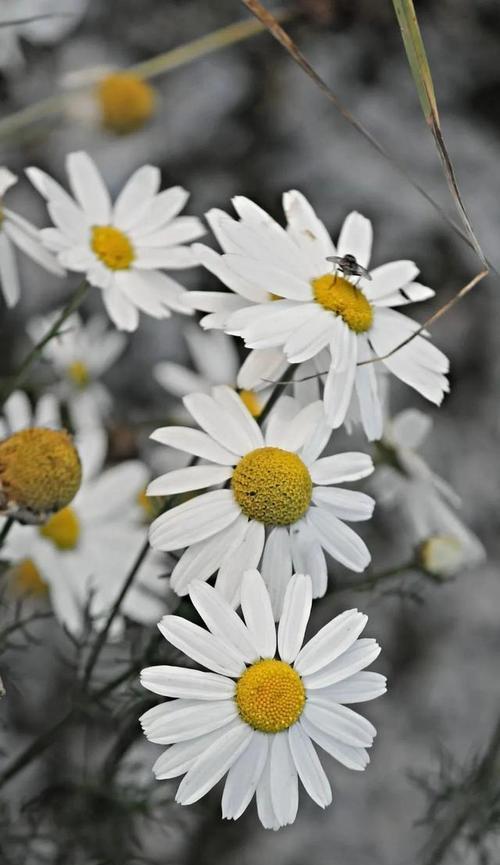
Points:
x=348 y=265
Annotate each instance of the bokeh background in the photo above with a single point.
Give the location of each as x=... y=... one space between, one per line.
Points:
x=247 y=121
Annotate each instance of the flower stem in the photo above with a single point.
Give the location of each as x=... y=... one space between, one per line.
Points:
x=18 y=378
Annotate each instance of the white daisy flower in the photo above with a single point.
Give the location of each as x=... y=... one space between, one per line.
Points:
x=81 y=555
x=121 y=248
x=279 y=504
x=216 y=361
x=288 y=296
x=53 y=20
x=17 y=231
x=255 y=715
x=427 y=501
x=79 y=356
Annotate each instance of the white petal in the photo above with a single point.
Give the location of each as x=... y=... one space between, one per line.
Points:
x=349 y=505
x=136 y=195
x=138 y=288
x=188 y=684
x=243 y=777
x=120 y=310
x=355 y=238
x=171 y=257
x=333 y=639
x=230 y=401
x=201 y=560
x=307 y=341
x=178 y=720
x=31 y=244
x=339 y=383
x=411 y=293
x=265 y=808
x=219 y=423
x=222 y=620
x=243 y=556
x=361 y=654
x=210 y=767
x=184 y=229
x=177 y=759
x=88 y=188
x=294 y=435
x=190 y=478
x=353 y=758
x=295 y=616
x=274 y=328
x=389 y=278
x=215 y=301
x=218 y=265
x=258 y=614
x=356 y=689
x=284 y=781
x=317 y=443
x=178 y=380
x=370 y=405
x=7 y=180
x=277 y=567
x=341 y=722
x=17 y=411
x=68 y=217
x=337 y=469
x=9 y=276
x=338 y=539
x=308 y=766
x=160 y=210
x=308 y=557
x=194 y=442
x=275 y=280
x=198 y=644
x=194 y=520
x=261 y=367
x=306 y=229
x=280 y=418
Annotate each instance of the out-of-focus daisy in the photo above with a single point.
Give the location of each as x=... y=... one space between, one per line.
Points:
x=257 y=713
x=427 y=502
x=52 y=21
x=40 y=470
x=83 y=552
x=79 y=356
x=288 y=296
x=121 y=248
x=278 y=503
x=215 y=360
x=15 y=230
x=104 y=97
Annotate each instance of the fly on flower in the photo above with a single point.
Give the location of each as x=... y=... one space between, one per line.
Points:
x=348 y=265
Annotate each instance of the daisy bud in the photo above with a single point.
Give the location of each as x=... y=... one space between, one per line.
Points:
x=126 y=102
x=40 y=473
x=441 y=555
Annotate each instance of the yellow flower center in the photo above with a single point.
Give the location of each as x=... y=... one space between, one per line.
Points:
x=270 y=696
x=340 y=296
x=63 y=529
x=272 y=486
x=79 y=374
x=112 y=246
x=27 y=579
x=40 y=472
x=126 y=102
x=251 y=401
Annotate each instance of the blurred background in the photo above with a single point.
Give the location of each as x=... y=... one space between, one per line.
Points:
x=246 y=120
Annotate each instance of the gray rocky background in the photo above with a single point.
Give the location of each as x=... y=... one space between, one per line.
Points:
x=247 y=121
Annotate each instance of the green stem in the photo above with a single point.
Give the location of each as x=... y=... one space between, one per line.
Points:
x=34 y=355
x=374 y=579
